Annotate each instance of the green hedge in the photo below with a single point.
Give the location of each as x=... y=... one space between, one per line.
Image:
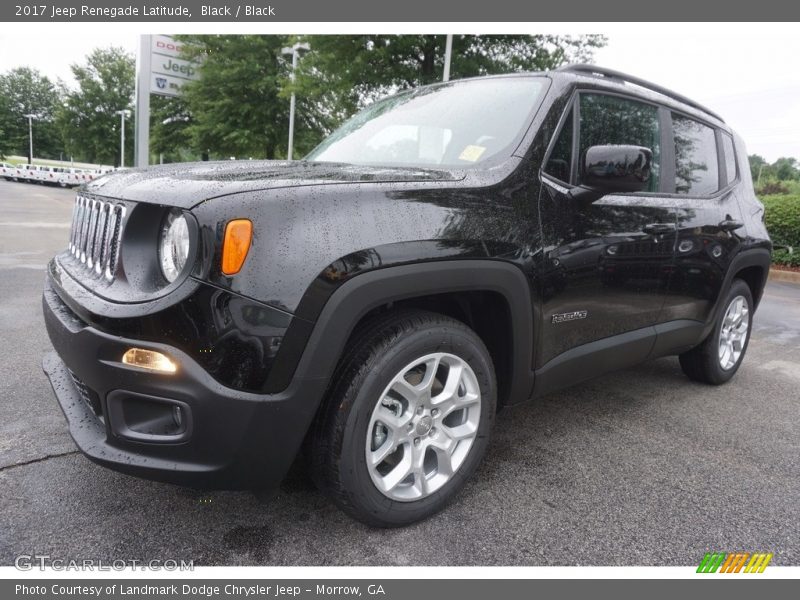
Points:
x=783 y=224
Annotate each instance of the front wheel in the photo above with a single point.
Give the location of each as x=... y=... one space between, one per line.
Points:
x=717 y=359
x=408 y=420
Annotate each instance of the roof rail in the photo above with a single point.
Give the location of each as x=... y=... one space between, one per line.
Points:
x=619 y=76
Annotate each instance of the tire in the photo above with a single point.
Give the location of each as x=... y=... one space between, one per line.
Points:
x=412 y=346
x=708 y=363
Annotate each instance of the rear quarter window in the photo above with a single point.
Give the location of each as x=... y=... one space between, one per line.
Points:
x=730 y=158
x=696 y=163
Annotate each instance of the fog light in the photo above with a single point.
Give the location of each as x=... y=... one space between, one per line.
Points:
x=148 y=359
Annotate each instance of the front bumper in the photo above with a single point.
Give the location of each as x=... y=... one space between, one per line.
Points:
x=230 y=439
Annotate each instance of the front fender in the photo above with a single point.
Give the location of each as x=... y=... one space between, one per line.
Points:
x=313 y=350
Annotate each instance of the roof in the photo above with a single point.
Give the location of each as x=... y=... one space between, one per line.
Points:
x=621 y=79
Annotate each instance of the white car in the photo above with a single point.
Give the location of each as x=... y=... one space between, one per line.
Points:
x=57 y=176
x=48 y=175
x=24 y=172
x=36 y=173
x=8 y=171
x=71 y=177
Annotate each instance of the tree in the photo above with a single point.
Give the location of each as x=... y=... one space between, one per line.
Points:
x=26 y=91
x=88 y=119
x=169 y=128
x=785 y=169
x=6 y=120
x=765 y=174
x=343 y=73
x=234 y=107
x=757 y=164
x=240 y=104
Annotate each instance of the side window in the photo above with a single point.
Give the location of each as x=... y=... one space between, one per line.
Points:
x=607 y=120
x=696 y=166
x=560 y=161
x=730 y=157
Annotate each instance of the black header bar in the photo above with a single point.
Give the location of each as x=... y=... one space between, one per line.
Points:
x=440 y=11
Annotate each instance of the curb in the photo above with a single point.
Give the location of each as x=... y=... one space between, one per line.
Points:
x=784 y=276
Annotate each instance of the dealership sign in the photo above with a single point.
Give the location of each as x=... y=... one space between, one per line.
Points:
x=168 y=71
x=160 y=70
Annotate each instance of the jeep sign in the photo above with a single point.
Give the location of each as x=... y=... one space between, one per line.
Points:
x=159 y=70
x=168 y=72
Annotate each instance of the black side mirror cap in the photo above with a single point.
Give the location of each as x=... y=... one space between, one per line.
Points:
x=617 y=169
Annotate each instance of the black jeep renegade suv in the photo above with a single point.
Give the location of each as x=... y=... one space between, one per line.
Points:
x=448 y=251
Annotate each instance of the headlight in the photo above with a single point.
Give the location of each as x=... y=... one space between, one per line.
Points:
x=173 y=250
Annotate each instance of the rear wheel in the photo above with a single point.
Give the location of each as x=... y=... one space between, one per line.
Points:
x=717 y=359
x=408 y=420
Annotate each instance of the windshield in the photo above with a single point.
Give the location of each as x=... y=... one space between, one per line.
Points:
x=453 y=125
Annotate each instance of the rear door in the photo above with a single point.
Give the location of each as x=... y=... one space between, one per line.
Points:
x=607 y=263
x=710 y=225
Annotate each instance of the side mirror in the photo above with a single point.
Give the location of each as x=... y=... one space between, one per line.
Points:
x=616 y=169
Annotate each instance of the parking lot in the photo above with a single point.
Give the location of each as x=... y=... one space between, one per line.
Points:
x=640 y=467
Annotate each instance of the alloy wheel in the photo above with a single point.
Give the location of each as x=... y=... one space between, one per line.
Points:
x=423 y=427
x=733 y=333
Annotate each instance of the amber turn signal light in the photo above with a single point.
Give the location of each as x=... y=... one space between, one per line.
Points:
x=236 y=244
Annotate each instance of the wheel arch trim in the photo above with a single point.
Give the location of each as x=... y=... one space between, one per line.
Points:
x=358 y=296
x=754 y=257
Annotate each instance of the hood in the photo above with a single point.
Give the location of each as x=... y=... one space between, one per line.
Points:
x=186 y=184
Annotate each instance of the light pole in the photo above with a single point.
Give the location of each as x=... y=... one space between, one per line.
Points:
x=448 y=53
x=30 y=118
x=122 y=114
x=295 y=53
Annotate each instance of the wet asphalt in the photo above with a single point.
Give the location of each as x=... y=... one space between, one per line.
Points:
x=641 y=467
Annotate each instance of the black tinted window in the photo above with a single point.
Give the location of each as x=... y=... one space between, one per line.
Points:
x=730 y=157
x=696 y=170
x=560 y=160
x=607 y=120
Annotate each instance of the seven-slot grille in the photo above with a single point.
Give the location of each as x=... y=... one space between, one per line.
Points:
x=96 y=232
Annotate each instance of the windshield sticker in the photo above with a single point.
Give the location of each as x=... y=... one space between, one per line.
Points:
x=472 y=153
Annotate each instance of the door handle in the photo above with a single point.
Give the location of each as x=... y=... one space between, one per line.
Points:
x=658 y=228
x=730 y=225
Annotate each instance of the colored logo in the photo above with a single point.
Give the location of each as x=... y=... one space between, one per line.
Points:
x=734 y=562
x=161 y=82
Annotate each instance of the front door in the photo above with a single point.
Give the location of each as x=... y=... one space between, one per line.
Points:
x=606 y=263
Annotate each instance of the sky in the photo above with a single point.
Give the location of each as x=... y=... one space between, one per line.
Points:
x=743 y=74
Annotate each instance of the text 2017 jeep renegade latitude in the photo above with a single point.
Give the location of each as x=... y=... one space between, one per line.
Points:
x=448 y=251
